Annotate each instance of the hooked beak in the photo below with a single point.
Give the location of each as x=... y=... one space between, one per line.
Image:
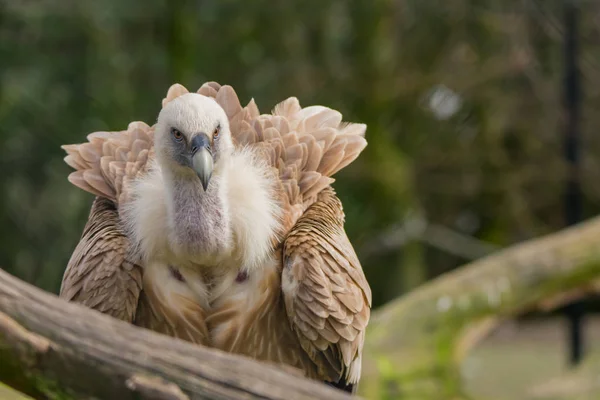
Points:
x=202 y=160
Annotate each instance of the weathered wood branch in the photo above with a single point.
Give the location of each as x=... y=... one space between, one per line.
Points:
x=53 y=349
x=415 y=344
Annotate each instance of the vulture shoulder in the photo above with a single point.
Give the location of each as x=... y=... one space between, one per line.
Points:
x=326 y=294
x=99 y=274
x=108 y=162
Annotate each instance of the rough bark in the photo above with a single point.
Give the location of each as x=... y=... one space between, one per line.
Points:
x=415 y=344
x=53 y=349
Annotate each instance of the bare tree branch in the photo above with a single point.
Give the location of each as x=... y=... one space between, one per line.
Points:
x=53 y=349
x=438 y=236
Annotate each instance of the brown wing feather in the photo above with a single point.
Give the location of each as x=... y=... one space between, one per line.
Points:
x=99 y=274
x=109 y=161
x=326 y=294
x=307 y=145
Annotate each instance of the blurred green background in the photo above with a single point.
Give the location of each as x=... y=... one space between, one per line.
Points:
x=462 y=100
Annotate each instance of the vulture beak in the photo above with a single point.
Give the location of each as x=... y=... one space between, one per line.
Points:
x=202 y=160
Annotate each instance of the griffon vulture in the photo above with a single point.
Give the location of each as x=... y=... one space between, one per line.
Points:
x=218 y=225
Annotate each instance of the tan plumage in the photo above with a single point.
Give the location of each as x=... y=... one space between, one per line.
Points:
x=99 y=274
x=290 y=289
x=326 y=295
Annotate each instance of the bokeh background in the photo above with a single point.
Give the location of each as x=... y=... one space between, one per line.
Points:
x=462 y=100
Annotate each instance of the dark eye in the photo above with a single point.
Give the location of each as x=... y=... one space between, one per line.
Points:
x=216 y=131
x=177 y=135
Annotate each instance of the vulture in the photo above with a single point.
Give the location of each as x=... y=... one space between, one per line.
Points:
x=218 y=225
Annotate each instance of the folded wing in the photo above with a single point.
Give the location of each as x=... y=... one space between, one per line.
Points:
x=326 y=294
x=99 y=274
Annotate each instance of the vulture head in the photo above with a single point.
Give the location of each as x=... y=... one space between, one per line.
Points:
x=193 y=145
x=193 y=138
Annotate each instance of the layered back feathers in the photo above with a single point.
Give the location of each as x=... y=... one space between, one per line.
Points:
x=305 y=146
x=110 y=161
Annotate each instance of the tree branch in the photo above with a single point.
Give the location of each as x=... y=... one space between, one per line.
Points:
x=438 y=236
x=415 y=344
x=53 y=349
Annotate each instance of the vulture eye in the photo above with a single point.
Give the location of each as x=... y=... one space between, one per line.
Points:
x=177 y=135
x=216 y=131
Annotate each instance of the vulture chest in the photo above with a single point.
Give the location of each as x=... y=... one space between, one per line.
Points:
x=237 y=312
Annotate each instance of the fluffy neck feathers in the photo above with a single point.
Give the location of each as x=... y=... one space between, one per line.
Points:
x=199 y=221
x=232 y=225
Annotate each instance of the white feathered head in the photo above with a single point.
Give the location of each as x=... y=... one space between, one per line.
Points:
x=192 y=135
